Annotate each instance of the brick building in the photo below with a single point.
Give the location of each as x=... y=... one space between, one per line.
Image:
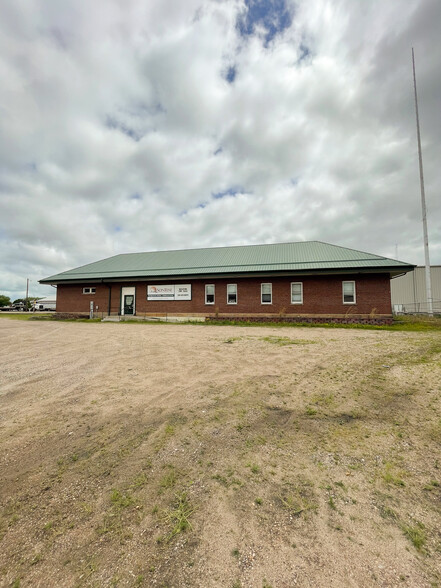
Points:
x=307 y=279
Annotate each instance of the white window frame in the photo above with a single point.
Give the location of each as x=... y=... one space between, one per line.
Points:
x=89 y=290
x=214 y=293
x=228 y=285
x=301 y=293
x=354 y=291
x=261 y=292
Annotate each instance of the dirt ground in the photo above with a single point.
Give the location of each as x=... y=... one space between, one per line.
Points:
x=207 y=456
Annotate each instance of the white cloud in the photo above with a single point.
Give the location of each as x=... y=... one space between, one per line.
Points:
x=118 y=127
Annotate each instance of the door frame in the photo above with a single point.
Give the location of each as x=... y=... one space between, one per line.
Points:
x=127 y=291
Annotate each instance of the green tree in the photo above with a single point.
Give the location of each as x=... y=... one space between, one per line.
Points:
x=4 y=300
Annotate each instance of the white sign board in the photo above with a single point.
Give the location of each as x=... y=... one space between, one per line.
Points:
x=169 y=292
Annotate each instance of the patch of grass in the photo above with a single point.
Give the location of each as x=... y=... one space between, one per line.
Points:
x=169 y=480
x=139 y=481
x=310 y=411
x=255 y=469
x=258 y=501
x=232 y=339
x=282 y=341
x=169 y=431
x=416 y=534
x=435 y=434
x=25 y=316
x=392 y=477
x=37 y=558
x=120 y=500
x=221 y=479
x=296 y=504
x=387 y=513
x=431 y=485
x=402 y=323
x=331 y=503
x=235 y=553
x=323 y=399
x=178 y=515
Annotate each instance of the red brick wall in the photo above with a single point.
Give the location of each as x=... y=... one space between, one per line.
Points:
x=321 y=295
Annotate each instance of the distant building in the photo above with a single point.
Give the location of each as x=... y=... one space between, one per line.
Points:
x=408 y=292
x=48 y=303
x=307 y=279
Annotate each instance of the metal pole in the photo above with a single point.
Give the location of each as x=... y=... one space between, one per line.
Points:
x=423 y=201
x=27 y=293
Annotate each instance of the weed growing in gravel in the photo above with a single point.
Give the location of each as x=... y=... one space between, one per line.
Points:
x=178 y=515
x=416 y=534
x=296 y=504
x=169 y=431
x=331 y=503
x=235 y=553
x=255 y=469
x=387 y=513
x=431 y=485
x=120 y=500
x=282 y=341
x=391 y=477
x=139 y=481
x=169 y=480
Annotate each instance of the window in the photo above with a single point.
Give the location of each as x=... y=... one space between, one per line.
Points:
x=232 y=294
x=348 y=292
x=296 y=292
x=209 y=293
x=89 y=290
x=266 y=291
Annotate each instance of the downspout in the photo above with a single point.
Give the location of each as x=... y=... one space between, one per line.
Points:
x=110 y=296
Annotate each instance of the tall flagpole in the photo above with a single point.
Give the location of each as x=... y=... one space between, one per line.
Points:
x=423 y=201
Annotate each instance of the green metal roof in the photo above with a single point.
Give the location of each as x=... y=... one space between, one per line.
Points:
x=305 y=256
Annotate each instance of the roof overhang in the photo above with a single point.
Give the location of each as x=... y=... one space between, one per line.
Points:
x=391 y=271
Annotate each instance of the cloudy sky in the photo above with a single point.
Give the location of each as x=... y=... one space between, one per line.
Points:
x=128 y=125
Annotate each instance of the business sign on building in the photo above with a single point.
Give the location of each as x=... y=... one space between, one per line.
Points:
x=169 y=292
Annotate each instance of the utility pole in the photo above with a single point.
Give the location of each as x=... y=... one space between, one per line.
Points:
x=423 y=200
x=27 y=293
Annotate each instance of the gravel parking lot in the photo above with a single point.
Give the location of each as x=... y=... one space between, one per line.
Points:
x=206 y=456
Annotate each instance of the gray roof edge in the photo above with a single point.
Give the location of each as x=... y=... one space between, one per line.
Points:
x=404 y=268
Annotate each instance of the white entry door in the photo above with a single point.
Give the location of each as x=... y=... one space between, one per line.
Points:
x=128 y=300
